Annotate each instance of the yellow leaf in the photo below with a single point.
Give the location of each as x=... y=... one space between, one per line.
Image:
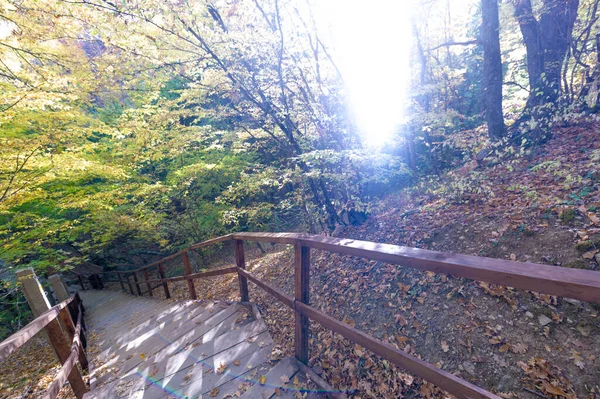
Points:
x=402 y=340
x=349 y=321
x=445 y=346
x=142 y=356
x=262 y=379
x=221 y=369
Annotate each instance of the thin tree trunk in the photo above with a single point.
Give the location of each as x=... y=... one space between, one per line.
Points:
x=492 y=68
x=535 y=54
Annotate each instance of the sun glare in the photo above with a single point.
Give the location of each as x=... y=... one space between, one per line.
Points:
x=371 y=43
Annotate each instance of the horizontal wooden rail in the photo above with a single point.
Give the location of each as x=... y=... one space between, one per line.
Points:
x=441 y=378
x=19 y=338
x=571 y=283
x=210 y=273
x=284 y=298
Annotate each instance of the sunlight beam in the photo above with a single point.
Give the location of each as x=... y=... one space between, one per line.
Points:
x=371 y=44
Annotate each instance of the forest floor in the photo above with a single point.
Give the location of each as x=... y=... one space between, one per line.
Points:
x=542 y=207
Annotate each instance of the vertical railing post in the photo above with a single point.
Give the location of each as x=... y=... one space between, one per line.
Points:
x=301 y=291
x=161 y=272
x=59 y=288
x=121 y=281
x=137 y=284
x=188 y=270
x=148 y=285
x=38 y=302
x=241 y=263
x=81 y=282
x=129 y=283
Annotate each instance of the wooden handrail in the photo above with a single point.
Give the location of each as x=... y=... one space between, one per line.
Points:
x=210 y=273
x=572 y=283
x=578 y=284
x=48 y=320
x=19 y=338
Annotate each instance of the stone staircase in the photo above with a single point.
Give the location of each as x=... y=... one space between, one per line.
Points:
x=148 y=348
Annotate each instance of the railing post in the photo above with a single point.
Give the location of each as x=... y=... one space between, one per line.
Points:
x=148 y=285
x=59 y=288
x=301 y=290
x=188 y=270
x=137 y=284
x=129 y=283
x=36 y=298
x=241 y=263
x=121 y=281
x=81 y=282
x=161 y=272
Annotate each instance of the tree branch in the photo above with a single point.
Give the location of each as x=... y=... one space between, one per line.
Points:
x=454 y=43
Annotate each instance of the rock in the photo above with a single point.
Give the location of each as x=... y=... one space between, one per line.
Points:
x=597 y=258
x=572 y=301
x=469 y=367
x=506 y=383
x=529 y=314
x=544 y=320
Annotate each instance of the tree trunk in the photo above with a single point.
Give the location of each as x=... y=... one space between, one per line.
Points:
x=492 y=68
x=547 y=42
x=556 y=27
x=535 y=54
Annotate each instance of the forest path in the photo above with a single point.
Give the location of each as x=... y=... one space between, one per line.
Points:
x=151 y=348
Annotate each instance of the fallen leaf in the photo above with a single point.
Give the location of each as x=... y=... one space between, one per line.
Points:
x=445 y=346
x=590 y=254
x=262 y=379
x=577 y=359
x=402 y=339
x=518 y=348
x=214 y=392
x=349 y=321
x=400 y=320
x=221 y=369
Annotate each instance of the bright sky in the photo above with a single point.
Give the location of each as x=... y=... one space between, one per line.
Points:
x=371 y=43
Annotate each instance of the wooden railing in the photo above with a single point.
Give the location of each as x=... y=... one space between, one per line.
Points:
x=68 y=344
x=572 y=283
